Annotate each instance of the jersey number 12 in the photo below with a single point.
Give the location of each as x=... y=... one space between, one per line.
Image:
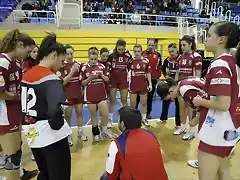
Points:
x=26 y=103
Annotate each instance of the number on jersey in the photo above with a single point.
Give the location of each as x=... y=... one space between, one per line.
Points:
x=28 y=101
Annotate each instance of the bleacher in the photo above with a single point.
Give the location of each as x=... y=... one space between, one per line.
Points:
x=6 y=7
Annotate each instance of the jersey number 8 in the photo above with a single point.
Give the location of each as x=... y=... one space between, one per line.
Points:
x=26 y=103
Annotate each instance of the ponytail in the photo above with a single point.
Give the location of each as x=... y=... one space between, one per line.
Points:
x=237 y=56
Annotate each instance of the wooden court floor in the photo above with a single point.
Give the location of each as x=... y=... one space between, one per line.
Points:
x=88 y=159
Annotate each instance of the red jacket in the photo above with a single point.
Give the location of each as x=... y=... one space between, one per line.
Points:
x=135 y=155
x=155 y=61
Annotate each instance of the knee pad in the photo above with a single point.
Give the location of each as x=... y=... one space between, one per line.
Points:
x=13 y=161
x=95 y=130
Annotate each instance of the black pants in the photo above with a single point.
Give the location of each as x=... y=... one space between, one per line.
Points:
x=54 y=161
x=149 y=97
x=165 y=107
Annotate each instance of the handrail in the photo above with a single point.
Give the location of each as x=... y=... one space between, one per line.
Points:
x=238 y=18
x=213 y=8
x=218 y=10
x=229 y=13
x=27 y=12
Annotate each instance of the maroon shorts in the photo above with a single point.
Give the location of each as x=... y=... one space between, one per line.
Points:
x=137 y=91
x=215 y=150
x=75 y=101
x=13 y=127
x=95 y=102
x=118 y=85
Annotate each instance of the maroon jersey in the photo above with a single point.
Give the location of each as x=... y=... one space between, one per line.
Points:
x=95 y=90
x=222 y=79
x=190 y=88
x=119 y=66
x=138 y=75
x=189 y=63
x=10 y=82
x=107 y=66
x=73 y=87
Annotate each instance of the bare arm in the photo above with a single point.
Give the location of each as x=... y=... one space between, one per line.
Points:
x=221 y=103
x=149 y=78
x=8 y=96
x=68 y=78
x=105 y=78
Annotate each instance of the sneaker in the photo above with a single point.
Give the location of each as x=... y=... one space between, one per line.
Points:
x=149 y=117
x=107 y=134
x=82 y=136
x=161 y=121
x=32 y=158
x=109 y=124
x=70 y=140
x=180 y=131
x=193 y=163
x=189 y=136
x=29 y=174
x=2 y=162
x=145 y=122
x=96 y=138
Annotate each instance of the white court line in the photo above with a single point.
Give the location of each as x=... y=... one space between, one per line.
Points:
x=116 y=123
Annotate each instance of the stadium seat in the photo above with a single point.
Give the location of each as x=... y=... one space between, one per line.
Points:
x=43 y=20
x=34 y=20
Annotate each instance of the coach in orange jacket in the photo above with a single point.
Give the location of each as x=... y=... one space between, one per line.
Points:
x=135 y=154
x=155 y=62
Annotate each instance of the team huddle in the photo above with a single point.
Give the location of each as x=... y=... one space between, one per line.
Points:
x=44 y=89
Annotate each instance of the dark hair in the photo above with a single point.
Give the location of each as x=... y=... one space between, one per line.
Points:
x=49 y=44
x=120 y=42
x=237 y=56
x=10 y=40
x=190 y=40
x=104 y=50
x=92 y=51
x=68 y=46
x=229 y=29
x=138 y=46
x=151 y=39
x=172 y=45
x=164 y=86
x=131 y=117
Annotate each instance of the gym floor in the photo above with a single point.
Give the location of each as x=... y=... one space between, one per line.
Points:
x=88 y=158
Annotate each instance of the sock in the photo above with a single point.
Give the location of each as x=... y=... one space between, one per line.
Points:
x=110 y=116
x=144 y=116
x=21 y=172
x=183 y=126
x=104 y=128
x=191 y=130
x=80 y=129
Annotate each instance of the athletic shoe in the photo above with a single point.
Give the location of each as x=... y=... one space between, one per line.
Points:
x=70 y=140
x=149 y=117
x=96 y=138
x=29 y=174
x=193 y=163
x=2 y=162
x=145 y=122
x=32 y=157
x=161 y=121
x=180 y=131
x=189 y=136
x=109 y=124
x=82 y=136
x=107 y=134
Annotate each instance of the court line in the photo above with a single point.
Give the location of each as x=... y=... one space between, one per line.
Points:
x=87 y=124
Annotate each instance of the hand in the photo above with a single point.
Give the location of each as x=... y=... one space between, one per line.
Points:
x=75 y=67
x=149 y=88
x=17 y=96
x=100 y=74
x=193 y=122
x=93 y=76
x=197 y=101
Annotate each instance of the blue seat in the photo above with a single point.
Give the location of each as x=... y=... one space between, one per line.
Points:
x=51 y=20
x=43 y=20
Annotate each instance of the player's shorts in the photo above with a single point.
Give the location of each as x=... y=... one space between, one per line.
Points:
x=118 y=85
x=137 y=91
x=75 y=101
x=215 y=150
x=95 y=102
x=13 y=127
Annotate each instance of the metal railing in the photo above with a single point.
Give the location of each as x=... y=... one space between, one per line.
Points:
x=28 y=16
